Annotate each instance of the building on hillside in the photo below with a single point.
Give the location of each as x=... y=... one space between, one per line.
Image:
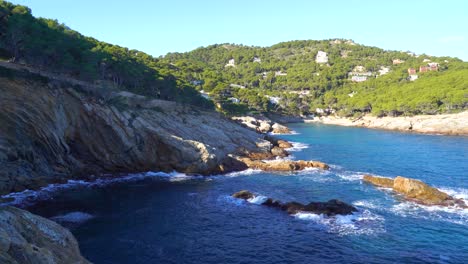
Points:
x=384 y=70
x=397 y=61
x=426 y=60
x=433 y=66
x=280 y=73
x=321 y=57
x=359 y=68
x=424 y=69
x=359 y=78
x=413 y=77
x=231 y=63
x=234 y=100
x=257 y=59
x=411 y=71
x=233 y=85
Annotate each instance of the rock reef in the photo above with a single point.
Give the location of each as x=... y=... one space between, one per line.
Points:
x=329 y=208
x=29 y=239
x=415 y=190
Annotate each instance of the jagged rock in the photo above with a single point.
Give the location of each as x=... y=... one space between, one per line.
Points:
x=61 y=133
x=330 y=208
x=244 y=194
x=416 y=191
x=284 y=144
x=262 y=124
x=280 y=129
x=279 y=152
x=283 y=165
x=423 y=193
x=379 y=181
x=30 y=239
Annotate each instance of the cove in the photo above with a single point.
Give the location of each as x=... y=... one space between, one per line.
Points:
x=182 y=219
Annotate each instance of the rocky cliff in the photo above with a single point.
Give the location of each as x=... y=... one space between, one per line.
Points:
x=29 y=239
x=52 y=131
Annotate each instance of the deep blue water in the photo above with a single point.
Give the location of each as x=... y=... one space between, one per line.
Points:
x=193 y=220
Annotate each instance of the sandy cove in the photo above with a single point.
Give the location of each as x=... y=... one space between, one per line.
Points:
x=446 y=124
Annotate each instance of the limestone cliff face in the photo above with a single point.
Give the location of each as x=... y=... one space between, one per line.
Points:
x=30 y=239
x=53 y=132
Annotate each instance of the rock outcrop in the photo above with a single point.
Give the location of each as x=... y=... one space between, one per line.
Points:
x=379 y=181
x=262 y=124
x=283 y=165
x=416 y=190
x=330 y=208
x=52 y=131
x=29 y=239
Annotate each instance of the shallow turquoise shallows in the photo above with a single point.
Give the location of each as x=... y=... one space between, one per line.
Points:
x=172 y=218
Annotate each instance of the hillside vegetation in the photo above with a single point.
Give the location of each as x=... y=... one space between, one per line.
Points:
x=46 y=44
x=286 y=78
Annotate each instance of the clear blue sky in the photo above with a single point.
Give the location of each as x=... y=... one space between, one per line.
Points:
x=435 y=27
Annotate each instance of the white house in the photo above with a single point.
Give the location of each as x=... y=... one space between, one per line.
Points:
x=257 y=59
x=234 y=100
x=231 y=63
x=280 y=73
x=322 y=57
x=413 y=77
x=384 y=70
x=273 y=99
x=359 y=78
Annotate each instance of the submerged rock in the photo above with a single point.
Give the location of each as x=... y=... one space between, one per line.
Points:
x=26 y=238
x=330 y=208
x=416 y=191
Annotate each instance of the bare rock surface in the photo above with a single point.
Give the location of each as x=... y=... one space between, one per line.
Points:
x=416 y=190
x=29 y=239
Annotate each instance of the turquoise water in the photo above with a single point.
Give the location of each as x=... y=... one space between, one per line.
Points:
x=159 y=218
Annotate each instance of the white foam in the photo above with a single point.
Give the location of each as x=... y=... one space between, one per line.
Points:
x=292 y=132
x=73 y=217
x=297 y=146
x=258 y=199
x=459 y=193
x=350 y=176
x=242 y=173
x=450 y=214
x=359 y=223
x=28 y=197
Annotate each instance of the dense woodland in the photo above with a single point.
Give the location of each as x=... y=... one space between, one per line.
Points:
x=49 y=45
x=289 y=71
x=284 y=78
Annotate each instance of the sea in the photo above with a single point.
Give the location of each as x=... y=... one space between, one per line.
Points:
x=156 y=217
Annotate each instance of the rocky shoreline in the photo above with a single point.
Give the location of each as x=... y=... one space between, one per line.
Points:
x=445 y=124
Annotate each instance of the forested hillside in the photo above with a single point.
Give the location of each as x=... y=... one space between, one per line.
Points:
x=337 y=75
x=46 y=44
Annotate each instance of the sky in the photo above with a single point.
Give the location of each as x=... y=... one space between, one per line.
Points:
x=433 y=27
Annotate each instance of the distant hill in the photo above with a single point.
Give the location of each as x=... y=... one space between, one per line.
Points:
x=297 y=77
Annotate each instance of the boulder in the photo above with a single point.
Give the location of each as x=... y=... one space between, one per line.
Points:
x=378 y=181
x=244 y=194
x=264 y=126
x=279 y=152
x=280 y=129
x=422 y=193
x=284 y=144
x=30 y=239
x=416 y=190
x=330 y=208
